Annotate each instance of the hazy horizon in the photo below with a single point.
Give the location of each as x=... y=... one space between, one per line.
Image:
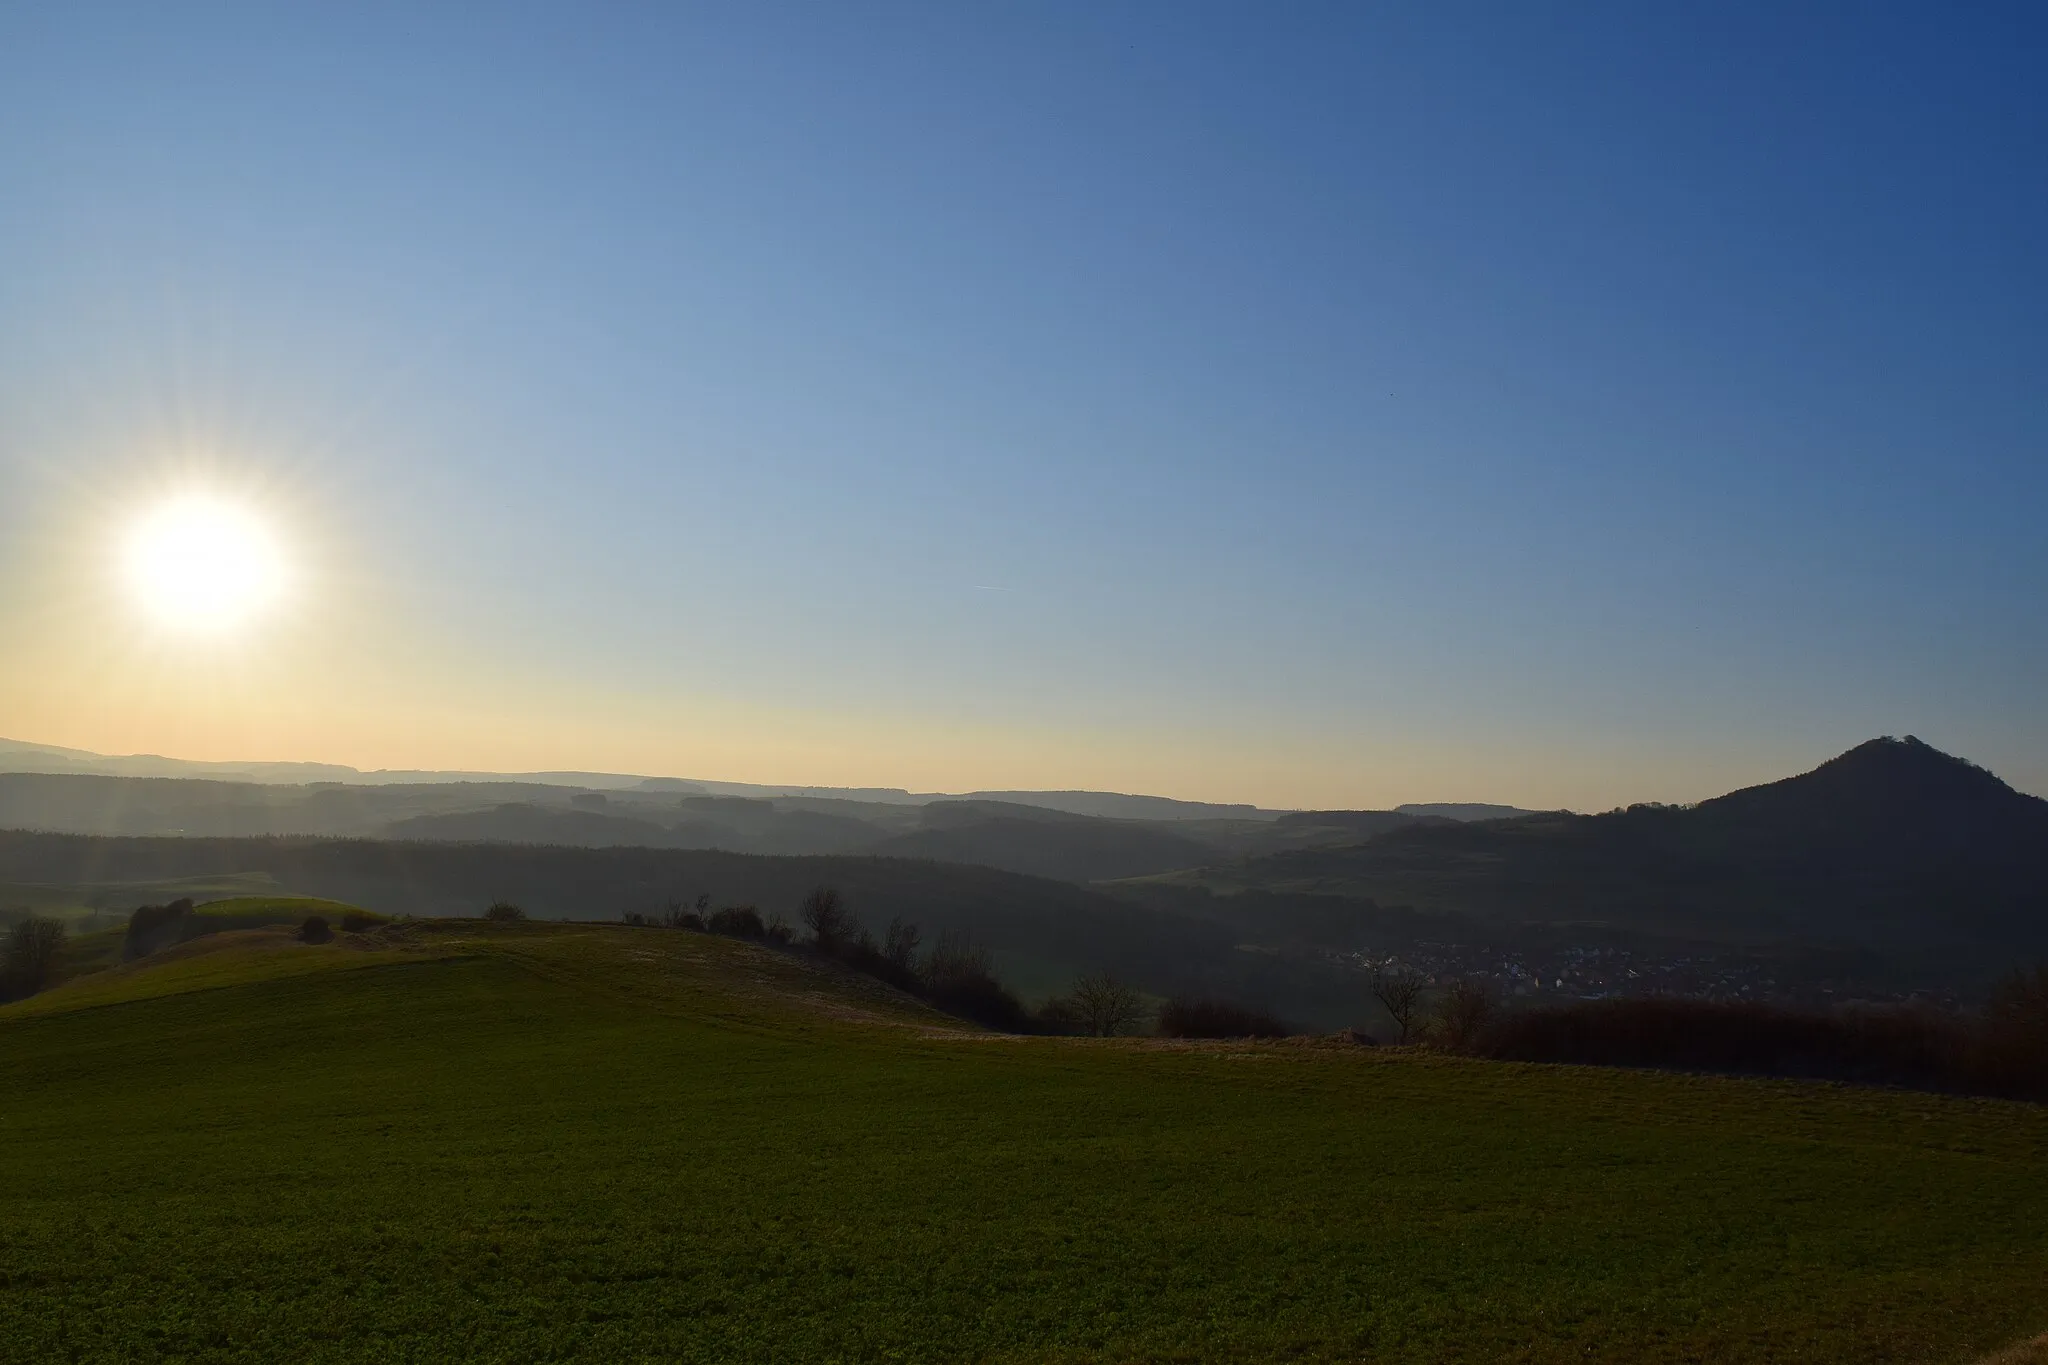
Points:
x=716 y=779
x=1328 y=408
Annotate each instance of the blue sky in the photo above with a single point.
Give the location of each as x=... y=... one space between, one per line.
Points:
x=1308 y=404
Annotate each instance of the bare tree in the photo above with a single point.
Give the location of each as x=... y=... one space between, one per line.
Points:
x=681 y=914
x=1461 y=1012
x=956 y=959
x=30 y=955
x=827 y=917
x=1106 y=1005
x=900 y=946
x=1399 y=991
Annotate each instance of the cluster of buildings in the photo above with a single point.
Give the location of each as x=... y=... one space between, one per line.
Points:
x=1597 y=972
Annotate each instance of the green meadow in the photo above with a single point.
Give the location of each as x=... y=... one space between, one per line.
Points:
x=447 y=1140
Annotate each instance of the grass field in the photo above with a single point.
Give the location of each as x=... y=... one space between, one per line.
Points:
x=89 y=951
x=110 y=901
x=539 y=1142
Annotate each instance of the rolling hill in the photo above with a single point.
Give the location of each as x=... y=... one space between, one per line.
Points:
x=17 y=756
x=1043 y=932
x=1019 y=837
x=455 y=1140
x=1043 y=843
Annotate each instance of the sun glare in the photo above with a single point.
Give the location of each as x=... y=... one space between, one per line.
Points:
x=202 y=564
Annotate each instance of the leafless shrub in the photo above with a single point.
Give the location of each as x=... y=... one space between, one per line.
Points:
x=825 y=914
x=677 y=915
x=1399 y=992
x=1462 y=1013
x=956 y=957
x=959 y=977
x=1107 y=1005
x=1059 y=1015
x=30 y=956
x=899 y=945
x=737 y=921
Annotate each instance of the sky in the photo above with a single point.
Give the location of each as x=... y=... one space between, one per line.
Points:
x=1315 y=405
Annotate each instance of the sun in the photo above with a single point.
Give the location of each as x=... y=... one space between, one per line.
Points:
x=203 y=564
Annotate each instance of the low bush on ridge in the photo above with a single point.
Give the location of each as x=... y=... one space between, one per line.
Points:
x=1101 y=1005
x=737 y=921
x=154 y=926
x=2002 y=1051
x=960 y=978
x=956 y=975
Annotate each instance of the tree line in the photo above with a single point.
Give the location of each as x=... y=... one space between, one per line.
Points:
x=958 y=976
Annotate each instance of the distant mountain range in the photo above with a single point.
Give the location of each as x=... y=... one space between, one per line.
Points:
x=29 y=758
x=20 y=757
x=1893 y=861
x=1013 y=835
x=1892 y=845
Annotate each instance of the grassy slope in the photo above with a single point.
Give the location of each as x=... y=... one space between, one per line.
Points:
x=1006 y=911
x=539 y=1142
x=88 y=954
x=272 y=909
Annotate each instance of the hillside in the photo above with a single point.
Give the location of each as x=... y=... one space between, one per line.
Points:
x=84 y=803
x=1891 y=845
x=1043 y=843
x=520 y=823
x=1039 y=840
x=1043 y=932
x=17 y=756
x=455 y=1140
